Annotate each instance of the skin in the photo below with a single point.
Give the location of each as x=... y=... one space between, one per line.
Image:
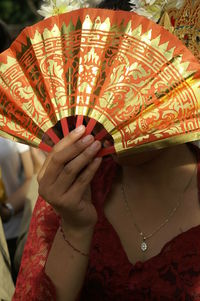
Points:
x=18 y=198
x=153 y=189
x=153 y=182
x=38 y=158
x=64 y=183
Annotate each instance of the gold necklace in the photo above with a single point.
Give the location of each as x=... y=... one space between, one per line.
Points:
x=144 y=245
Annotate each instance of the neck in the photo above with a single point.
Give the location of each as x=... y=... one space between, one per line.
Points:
x=166 y=175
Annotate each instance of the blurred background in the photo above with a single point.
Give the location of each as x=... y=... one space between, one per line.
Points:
x=18 y=165
x=19 y=11
x=14 y=16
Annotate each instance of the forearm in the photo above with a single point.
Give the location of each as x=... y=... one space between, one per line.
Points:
x=64 y=182
x=67 y=267
x=17 y=199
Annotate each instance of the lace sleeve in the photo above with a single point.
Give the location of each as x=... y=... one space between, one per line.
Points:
x=32 y=283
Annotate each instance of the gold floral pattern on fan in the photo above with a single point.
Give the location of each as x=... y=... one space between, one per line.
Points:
x=124 y=71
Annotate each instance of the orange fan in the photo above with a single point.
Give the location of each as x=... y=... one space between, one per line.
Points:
x=117 y=68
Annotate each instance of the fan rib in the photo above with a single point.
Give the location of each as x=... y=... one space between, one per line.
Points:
x=90 y=126
x=53 y=135
x=44 y=147
x=79 y=120
x=65 y=127
x=106 y=151
x=101 y=134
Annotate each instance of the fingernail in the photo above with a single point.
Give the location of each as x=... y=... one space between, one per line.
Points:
x=79 y=129
x=95 y=146
x=97 y=160
x=106 y=143
x=87 y=139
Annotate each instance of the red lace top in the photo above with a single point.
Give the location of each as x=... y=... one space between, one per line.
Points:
x=174 y=274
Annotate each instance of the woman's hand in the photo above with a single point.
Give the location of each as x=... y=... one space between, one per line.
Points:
x=65 y=177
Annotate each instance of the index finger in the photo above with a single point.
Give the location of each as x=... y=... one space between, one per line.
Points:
x=62 y=144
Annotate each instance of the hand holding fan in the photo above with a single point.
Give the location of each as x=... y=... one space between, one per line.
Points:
x=116 y=68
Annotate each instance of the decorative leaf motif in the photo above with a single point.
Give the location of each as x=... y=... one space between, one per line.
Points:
x=116 y=75
x=137 y=71
x=54 y=69
x=91 y=57
x=26 y=93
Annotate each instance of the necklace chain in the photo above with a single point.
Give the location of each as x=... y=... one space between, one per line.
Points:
x=144 y=245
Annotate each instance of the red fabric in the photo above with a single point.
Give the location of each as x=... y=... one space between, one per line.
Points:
x=174 y=274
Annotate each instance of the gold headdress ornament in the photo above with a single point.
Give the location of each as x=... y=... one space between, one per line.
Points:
x=186 y=23
x=153 y=9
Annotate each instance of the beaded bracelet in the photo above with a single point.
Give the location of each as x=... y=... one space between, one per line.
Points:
x=67 y=241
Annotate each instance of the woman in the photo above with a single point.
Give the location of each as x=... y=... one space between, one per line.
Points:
x=116 y=271
x=133 y=236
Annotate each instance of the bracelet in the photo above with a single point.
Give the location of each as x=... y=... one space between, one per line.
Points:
x=67 y=241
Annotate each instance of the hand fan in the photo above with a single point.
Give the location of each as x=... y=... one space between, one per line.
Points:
x=118 y=69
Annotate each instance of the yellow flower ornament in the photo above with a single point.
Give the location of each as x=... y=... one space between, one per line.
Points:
x=153 y=9
x=56 y=7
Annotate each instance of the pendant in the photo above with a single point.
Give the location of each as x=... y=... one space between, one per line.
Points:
x=144 y=246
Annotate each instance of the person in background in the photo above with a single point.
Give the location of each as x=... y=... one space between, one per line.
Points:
x=6 y=37
x=38 y=158
x=6 y=282
x=17 y=171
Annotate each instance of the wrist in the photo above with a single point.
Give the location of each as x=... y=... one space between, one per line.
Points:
x=6 y=211
x=79 y=240
x=10 y=208
x=77 y=233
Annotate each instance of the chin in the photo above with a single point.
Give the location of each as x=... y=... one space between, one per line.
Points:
x=137 y=159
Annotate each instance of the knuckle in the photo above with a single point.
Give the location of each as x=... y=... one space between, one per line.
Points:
x=42 y=192
x=39 y=178
x=68 y=170
x=87 y=155
x=55 y=158
x=41 y=183
x=78 y=146
x=82 y=180
x=48 y=195
x=91 y=169
x=64 y=202
x=72 y=136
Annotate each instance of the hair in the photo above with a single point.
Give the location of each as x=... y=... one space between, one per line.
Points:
x=115 y=5
x=4 y=36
